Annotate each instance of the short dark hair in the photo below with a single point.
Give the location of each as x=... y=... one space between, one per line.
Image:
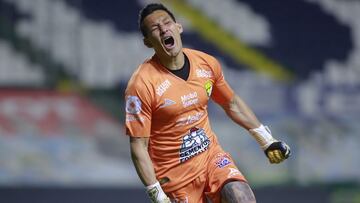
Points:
x=147 y=10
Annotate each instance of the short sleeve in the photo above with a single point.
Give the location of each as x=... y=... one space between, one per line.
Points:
x=222 y=92
x=137 y=110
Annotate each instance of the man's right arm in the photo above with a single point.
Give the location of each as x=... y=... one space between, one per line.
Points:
x=145 y=169
x=141 y=160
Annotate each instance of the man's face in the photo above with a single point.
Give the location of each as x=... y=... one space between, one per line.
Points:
x=163 y=34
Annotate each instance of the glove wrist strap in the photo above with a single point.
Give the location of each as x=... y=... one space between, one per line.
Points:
x=155 y=192
x=263 y=136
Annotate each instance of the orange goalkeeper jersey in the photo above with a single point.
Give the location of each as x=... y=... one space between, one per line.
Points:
x=173 y=113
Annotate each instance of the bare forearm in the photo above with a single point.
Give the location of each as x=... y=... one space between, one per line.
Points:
x=241 y=114
x=145 y=169
x=143 y=164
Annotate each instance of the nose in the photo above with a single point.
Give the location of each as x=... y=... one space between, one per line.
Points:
x=163 y=29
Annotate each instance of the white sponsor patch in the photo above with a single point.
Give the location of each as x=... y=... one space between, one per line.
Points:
x=189 y=99
x=201 y=73
x=190 y=119
x=133 y=105
x=161 y=89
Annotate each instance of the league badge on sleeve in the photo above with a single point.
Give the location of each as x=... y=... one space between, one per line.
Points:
x=133 y=105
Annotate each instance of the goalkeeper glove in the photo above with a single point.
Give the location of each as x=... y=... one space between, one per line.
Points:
x=156 y=194
x=276 y=151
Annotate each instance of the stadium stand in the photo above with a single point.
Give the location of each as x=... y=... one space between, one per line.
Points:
x=57 y=138
x=16 y=70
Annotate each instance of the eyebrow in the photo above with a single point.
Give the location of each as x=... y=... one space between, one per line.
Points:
x=166 y=18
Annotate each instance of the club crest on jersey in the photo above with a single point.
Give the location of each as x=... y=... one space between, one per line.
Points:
x=133 y=105
x=208 y=87
x=193 y=143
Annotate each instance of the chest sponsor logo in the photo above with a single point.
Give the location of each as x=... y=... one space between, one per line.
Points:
x=190 y=119
x=167 y=102
x=189 y=99
x=133 y=105
x=201 y=73
x=161 y=89
x=193 y=143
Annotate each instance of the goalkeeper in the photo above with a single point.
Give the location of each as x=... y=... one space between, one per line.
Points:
x=174 y=150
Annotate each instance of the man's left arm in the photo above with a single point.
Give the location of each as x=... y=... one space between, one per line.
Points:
x=240 y=113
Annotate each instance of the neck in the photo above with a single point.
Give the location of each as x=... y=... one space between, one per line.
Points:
x=173 y=63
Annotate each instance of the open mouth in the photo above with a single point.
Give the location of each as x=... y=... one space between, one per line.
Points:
x=169 y=42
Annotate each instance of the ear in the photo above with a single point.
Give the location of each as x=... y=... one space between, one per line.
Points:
x=147 y=42
x=180 y=27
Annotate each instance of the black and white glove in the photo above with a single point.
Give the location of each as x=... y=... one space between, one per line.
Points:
x=276 y=151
